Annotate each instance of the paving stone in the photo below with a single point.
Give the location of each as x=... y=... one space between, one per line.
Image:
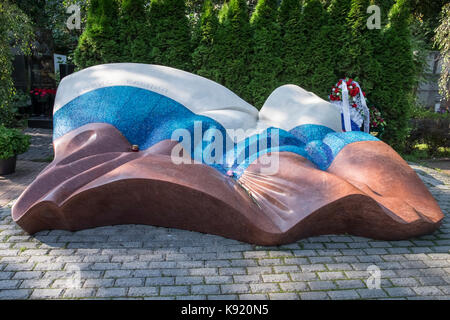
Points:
x=189 y=280
x=264 y=287
x=231 y=271
x=294 y=286
x=194 y=297
x=318 y=295
x=218 y=279
x=205 y=289
x=350 y=284
x=129 y=282
x=156 y=281
x=427 y=291
x=111 y=292
x=46 y=293
x=400 y=292
x=174 y=290
x=223 y=297
x=344 y=295
x=322 y=285
x=146 y=262
x=9 y=284
x=403 y=282
x=14 y=294
x=234 y=288
x=79 y=293
x=331 y=275
x=203 y=271
x=303 y=276
x=253 y=296
x=371 y=293
x=142 y=291
x=284 y=296
x=275 y=278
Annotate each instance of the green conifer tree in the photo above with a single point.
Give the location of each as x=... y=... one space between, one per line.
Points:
x=265 y=61
x=287 y=10
x=318 y=56
x=99 y=42
x=309 y=50
x=293 y=40
x=233 y=47
x=204 y=58
x=340 y=36
x=363 y=46
x=170 y=34
x=393 y=94
x=134 y=32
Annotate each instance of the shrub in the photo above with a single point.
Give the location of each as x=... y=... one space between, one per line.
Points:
x=170 y=34
x=204 y=58
x=293 y=40
x=134 y=32
x=363 y=42
x=99 y=42
x=12 y=142
x=393 y=94
x=340 y=36
x=317 y=56
x=432 y=131
x=233 y=47
x=265 y=61
x=16 y=29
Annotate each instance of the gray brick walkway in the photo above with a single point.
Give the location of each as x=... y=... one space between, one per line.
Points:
x=144 y=262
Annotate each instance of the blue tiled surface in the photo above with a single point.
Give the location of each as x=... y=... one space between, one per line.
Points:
x=146 y=118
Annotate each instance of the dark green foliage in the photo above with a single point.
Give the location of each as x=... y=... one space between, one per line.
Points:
x=309 y=49
x=340 y=36
x=204 y=59
x=293 y=40
x=233 y=47
x=99 y=43
x=318 y=55
x=393 y=94
x=134 y=32
x=265 y=61
x=12 y=142
x=288 y=9
x=363 y=43
x=15 y=29
x=170 y=34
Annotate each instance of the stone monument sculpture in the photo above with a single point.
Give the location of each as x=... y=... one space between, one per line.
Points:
x=148 y=144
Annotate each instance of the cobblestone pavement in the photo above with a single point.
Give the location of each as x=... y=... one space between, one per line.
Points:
x=144 y=262
x=28 y=166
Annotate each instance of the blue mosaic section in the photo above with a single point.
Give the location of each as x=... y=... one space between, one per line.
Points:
x=146 y=118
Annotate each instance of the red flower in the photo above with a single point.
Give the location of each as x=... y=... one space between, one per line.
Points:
x=354 y=105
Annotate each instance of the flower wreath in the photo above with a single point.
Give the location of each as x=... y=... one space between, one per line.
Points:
x=348 y=97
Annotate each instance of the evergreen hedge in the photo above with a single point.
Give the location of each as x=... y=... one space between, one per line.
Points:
x=205 y=61
x=100 y=42
x=265 y=60
x=233 y=47
x=135 y=32
x=393 y=93
x=170 y=39
x=295 y=41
